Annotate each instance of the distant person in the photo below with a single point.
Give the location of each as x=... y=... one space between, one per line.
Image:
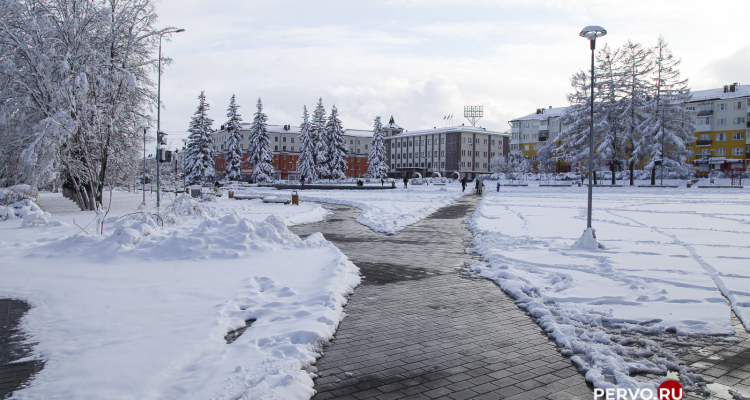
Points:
x=382 y=182
x=302 y=179
x=463 y=184
x=406 y=181
x=498 y=186
x=478 y=186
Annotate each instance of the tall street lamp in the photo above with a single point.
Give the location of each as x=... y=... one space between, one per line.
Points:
x=591 y=33
x=159 y=133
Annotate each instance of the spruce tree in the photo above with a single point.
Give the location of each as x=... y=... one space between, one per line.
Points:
x=309 y=148
x=258 y=149
x=234 y=138
x=318 y=129
x=378 y=167
x=199 y=162
x=336 y=147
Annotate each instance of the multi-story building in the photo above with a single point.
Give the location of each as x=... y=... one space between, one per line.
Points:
x=722 y=122
x=533 y=130
x=285 y=146
x=460 y=151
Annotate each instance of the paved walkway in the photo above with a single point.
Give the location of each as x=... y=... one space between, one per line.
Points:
x=416 y=328
x=13 y=375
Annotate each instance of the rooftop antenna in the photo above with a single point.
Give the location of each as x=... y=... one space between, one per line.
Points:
x=473 y=114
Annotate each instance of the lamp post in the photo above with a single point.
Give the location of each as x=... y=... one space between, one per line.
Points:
x=159 y=133
x=144 y=167
x=591 y=33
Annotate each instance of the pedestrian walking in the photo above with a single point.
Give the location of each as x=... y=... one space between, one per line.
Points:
x=463 y=184
x=382 y=182
x=477 y=186
x=406 y=181
x=498 y=186
x=302 y=179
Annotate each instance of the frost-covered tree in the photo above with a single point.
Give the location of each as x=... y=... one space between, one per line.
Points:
x=608 y=128
x=667 y=132
x=258 y=149
x=635 y=67
x=308 y=149
x=336 y=147
x=378 y=167
x=75 y=90
x=233 y=126
x=318 y=134
x=200 y=158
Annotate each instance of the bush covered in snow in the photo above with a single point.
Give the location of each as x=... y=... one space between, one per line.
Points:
x=19 y=202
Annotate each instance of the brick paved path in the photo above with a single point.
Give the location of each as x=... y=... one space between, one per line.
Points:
x=12 y=347
x=417 y=329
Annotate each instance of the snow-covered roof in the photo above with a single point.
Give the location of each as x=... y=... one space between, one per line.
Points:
x=718 y=93
x=296 y=129
x=546 y=113
x=392 y=124
x=358 y=133
x=461 y=128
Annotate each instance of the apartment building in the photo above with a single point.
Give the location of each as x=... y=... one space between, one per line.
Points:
x=285 y=146
x=722 y=122
x=460 y=151
x=533 y=130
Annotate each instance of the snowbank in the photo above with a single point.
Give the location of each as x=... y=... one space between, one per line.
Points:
x=19 y=202
x=147 y=312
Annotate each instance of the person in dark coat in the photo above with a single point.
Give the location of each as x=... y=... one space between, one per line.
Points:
x=478 y=186
x=463 y=184
x=303 y=180
x=406 y=181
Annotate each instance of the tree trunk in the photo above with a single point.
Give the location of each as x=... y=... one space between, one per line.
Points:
x=632 y=170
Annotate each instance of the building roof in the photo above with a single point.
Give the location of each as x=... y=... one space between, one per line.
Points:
x=718 y=93
x=296 y=129
x=546 y=113
x=392 y=125
x=461 y=128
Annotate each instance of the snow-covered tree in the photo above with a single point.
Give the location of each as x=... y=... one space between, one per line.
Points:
x=610 y=143
x=635 y=67
x=308 y=149
x=318 y=134
x=667 y=132
x=336 y=147
x=378 y=167
x=233 y=126
x=200 y=158
x=501 y=164
x=258 y=149
x=75 y=90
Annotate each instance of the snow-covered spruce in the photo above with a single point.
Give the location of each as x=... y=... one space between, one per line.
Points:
x=318 y=134
x=336 y=147
x=199 y=161
x=308 y=148
x=258 y=150
x=234 y=139
x=378 y=166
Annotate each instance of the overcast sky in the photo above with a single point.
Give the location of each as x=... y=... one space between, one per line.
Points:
x=419 y=60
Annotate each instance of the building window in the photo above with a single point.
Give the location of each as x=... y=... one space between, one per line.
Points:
x=484 y=141
x=463 y=139
x=442 y=140
x=526 y=147
x=722 y=107
x=705 y=136
x=476 y=153
x=351 y=141
x=534 y=147
x=283 y=139
x=429 y=142
x=485 y=154
x=411 y=156
x=292 y=146
x=463 y=152
x=410 y=165
x=442 y=153
x=442 y=164
x=435 y=153
x=738 y=136
x=276 y=148
x=393 y=166
x=468 y=140
x=703 y=121
x=421 y=165
x=492 y=154
x=283 y=148
x=366 y=147
x=533 y=158
x=721 y=152
x=703 y=152
x=738 y=151
x=292 y=140
x=493 y=142
x=463 y=163
x=721 y=122
x=410 y=143
x=721 y=137
x=739 y=120
x=514 y=146
x=484 y=165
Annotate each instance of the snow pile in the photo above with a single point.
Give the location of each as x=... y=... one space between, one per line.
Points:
x=218 y=307
x=587 y=240
x=668 y=269
x=19 y=202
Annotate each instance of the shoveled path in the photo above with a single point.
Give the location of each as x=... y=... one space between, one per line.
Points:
x=416 y=328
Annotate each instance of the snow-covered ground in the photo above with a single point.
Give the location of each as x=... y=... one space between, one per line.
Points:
x=387 y=211
x=673 y=257
x=142 y=311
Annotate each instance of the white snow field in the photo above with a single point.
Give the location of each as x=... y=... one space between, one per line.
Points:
x=387 y=211
x=672 y=259
x=141 y=312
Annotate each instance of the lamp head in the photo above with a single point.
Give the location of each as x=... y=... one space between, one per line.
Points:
x=179 y=30
x=592 y=32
